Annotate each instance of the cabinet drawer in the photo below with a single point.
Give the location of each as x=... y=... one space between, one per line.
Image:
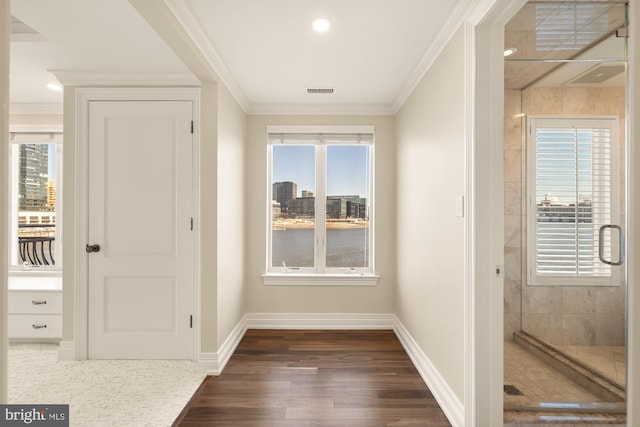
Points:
x=35 y=325
x=23 y=302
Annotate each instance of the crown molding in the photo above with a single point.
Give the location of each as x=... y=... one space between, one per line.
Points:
x=91 y=78
x=192 y=27
x=35 y=109
x=453 y=23
x=321 y=109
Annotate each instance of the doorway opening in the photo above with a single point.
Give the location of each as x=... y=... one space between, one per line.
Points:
x=564 y=295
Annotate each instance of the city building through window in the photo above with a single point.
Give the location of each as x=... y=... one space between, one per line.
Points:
x=573 y=191
x=35 y=176
x=320 y=202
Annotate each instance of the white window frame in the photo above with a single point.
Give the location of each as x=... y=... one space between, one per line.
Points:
x=533 y=278
x=34 y=134
x=320 y=274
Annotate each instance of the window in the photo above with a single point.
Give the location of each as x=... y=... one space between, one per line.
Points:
x=36 y=178
x=320 y=201
x=573 y=190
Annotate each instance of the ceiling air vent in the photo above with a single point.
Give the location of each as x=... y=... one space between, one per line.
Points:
x=314 y=90
x=598 y=74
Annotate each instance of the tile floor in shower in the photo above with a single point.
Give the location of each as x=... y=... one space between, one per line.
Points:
x=611 y=361
x=541 y=383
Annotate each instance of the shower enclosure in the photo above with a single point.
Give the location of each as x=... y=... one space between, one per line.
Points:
x=564 y=152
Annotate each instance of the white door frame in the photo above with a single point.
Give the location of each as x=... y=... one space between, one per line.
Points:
x=484 y=338
x=485 y=42
x=81 y=226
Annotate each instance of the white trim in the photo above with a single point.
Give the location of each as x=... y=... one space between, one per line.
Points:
x=275 y=279
x=533 y=122
x=319 y=321
x=313 y=275
x=484 y=391
x=87 y=78
x=208 y=363
x=470 y=368
x=214 y=363
x=197 y=262
x=53 y=128
x=451 y=25
x=304 y=129
x=67 y=351
x=229 y=345
x=193 y=28
x=36 y=109
x=321 y=109
x=444 y=395
x=83 y=97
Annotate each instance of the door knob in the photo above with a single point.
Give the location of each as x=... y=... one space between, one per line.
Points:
x=92 y=248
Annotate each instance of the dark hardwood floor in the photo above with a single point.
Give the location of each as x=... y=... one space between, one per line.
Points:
x=279 y=378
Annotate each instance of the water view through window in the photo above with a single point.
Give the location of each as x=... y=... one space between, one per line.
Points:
x=347 y=210
x=299 y=238
x=293 y=206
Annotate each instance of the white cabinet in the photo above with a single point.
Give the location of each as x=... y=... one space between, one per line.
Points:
x=35 y=314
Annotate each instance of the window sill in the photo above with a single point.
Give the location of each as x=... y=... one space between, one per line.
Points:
x=34 y=271
x=286 y=279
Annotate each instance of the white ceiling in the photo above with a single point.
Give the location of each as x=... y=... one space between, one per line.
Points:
x=265 y=50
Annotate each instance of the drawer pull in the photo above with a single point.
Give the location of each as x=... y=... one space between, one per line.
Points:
x=39 y=326
x=39 y=301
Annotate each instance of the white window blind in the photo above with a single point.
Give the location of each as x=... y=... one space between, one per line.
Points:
x=570 y=26
x=320 y=139
x=572 y=191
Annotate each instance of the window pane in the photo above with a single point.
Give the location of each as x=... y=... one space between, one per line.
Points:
x=36 y=194
x=293 y=206
x=573 y=176
x=348 y=206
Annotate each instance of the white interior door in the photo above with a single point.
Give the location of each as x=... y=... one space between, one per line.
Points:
x=141 y=282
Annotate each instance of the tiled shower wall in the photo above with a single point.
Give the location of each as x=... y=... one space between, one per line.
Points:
x=560 y=315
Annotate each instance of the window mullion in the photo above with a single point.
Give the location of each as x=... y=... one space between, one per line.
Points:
x=321 y=209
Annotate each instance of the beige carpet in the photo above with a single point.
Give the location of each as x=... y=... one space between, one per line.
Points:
x=125 y=393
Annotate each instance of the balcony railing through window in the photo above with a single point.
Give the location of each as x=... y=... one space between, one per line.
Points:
x=36 y=244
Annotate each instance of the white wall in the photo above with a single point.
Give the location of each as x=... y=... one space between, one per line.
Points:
x=4 y=208
x=69 y=207
x=208 y=219
x=232 y=202
x=320 y=299
x=431 y=158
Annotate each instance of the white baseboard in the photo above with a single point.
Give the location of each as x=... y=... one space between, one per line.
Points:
x=208 y=363
x=214 y=363
x=67 y=351
x=229 y=345
x=446 y=398
x=319 y=321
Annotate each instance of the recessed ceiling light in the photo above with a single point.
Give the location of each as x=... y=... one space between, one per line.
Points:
x=510 y=51
x=56 y=87
x=321 y=25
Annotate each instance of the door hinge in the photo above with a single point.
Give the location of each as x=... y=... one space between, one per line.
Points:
x=191 y=321
x=191 y=126
x=191 y=224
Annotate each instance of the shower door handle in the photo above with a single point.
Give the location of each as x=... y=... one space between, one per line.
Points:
x=620 y=244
